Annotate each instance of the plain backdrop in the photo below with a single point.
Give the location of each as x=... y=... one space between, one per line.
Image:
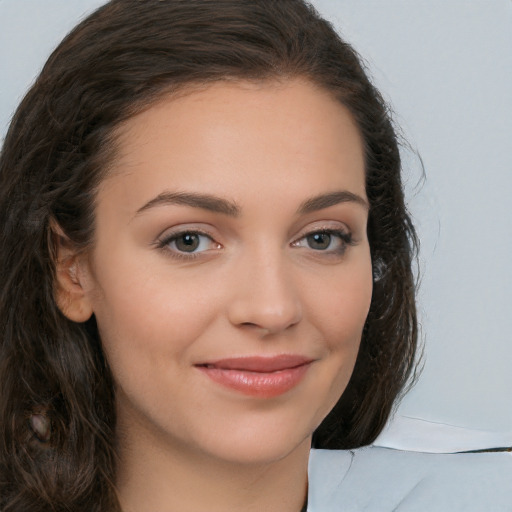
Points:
x=445 y=66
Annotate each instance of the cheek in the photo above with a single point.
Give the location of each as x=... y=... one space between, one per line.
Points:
x=343 y=304
x=144 y=320
x=339 y=312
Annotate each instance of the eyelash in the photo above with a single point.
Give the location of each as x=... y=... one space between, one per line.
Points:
x=164 y=243
x=345 y=240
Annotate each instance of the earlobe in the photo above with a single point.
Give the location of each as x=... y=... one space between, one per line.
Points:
x=70 y=279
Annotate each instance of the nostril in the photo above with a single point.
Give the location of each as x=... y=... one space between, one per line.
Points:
x=262 y=331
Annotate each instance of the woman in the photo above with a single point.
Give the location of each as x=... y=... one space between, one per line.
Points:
x=206 y=261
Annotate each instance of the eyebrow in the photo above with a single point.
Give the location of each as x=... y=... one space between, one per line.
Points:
x=219 y=205
x=331 y=199
x=195 y=200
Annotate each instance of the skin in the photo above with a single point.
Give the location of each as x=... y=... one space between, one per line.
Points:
x=257 y=284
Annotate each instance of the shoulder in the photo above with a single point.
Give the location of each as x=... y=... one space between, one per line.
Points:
x=377 y=479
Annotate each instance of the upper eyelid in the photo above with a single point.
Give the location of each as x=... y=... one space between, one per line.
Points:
x=345 y=235
x=174 y=232
x=177 y=234
x=326 y=226
x=166 y=236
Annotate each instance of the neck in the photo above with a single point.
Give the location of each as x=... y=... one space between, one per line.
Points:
x=155 y=475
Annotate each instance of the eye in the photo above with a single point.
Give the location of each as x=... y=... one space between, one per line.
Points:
x=188 y=243
x=319 y=241
x=326 y=240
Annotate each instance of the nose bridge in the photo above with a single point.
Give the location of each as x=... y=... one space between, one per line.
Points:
x=266 y=295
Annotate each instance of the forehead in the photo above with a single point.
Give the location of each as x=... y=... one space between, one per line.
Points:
x=231 y=138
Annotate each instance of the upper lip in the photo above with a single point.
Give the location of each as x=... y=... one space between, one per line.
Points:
x=263 y=364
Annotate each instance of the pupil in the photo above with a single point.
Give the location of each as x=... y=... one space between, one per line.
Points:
x=188 y=242
x=319 y=240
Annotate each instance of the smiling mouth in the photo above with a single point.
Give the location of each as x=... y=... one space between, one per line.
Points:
x=262 y=377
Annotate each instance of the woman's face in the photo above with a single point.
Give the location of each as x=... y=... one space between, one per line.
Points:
x=231 y=273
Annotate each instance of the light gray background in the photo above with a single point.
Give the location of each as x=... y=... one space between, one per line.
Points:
x=446 y=68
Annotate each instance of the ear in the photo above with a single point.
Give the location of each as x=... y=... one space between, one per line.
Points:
x=71 y=276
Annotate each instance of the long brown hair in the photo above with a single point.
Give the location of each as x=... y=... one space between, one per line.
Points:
x=115 y=63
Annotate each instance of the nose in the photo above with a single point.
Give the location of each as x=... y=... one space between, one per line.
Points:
x=265 y=298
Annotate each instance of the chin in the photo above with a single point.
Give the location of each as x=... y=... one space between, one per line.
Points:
x=258 y=440
x=261 y=450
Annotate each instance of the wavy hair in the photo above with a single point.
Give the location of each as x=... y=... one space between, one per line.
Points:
x=57 y=414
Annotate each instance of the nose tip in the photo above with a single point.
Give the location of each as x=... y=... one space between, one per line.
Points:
x=265 y=320
x=269 y=321
x=266 y=304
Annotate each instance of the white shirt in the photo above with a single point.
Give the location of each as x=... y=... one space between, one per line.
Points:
x=374 y=479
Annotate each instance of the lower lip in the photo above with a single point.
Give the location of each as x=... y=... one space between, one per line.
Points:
x=261 y=385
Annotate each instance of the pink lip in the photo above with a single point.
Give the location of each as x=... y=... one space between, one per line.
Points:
x=263 y=377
